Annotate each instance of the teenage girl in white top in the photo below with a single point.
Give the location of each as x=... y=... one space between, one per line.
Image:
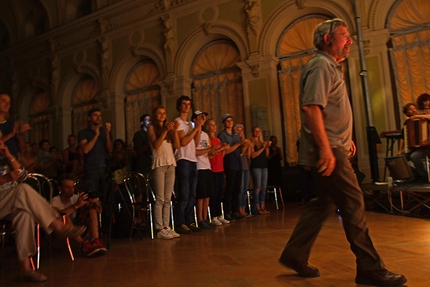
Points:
x=163 y=137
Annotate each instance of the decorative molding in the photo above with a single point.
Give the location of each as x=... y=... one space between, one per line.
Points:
x=55 y=74
x=255 y=69
x=164 y=5
x=102 y=26
x=167 y=86
x=54 y=44
x=207 y=28
x=105 y=58
x=300 y=4
x=103 y=98
x=252 y=10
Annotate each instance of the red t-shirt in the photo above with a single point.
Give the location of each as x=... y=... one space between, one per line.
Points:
x=217 y=162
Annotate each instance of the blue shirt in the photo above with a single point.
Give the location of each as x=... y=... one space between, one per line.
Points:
x=231 y=160
x=96 y=157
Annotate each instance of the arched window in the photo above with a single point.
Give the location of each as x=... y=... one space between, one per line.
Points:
x=39 y=117
x=217 y=81
x=409 y=27
x=142 y=94
x=83 y=99
x=295 y=49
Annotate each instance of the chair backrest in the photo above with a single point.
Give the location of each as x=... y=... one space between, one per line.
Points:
x=42 y=185
x=135 y=183
x=399 y=168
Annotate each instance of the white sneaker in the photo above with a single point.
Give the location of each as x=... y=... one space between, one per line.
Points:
x=216 y=221
x=223 y=221
x=164 y=234
x=172 y=232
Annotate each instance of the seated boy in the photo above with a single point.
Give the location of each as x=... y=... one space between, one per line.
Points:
x=68 y=202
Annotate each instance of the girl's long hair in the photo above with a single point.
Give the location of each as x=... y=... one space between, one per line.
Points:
x=157 y=128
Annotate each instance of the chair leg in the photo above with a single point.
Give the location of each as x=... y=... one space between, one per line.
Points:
x=171 y=215
x=248 y=196
x=32 y=263
x=150 y=220
x=38 y=246
x=222 y=210
x=276 y=197
x=280 y=195
x=68 y=243
x=209 y=214
x=195 y=217
x=3 y=238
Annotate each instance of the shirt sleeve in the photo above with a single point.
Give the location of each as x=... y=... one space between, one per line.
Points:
x=316 y=87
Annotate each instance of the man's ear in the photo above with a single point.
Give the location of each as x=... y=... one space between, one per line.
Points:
x=327 y=39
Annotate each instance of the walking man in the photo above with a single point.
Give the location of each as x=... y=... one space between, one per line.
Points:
x=325 y=146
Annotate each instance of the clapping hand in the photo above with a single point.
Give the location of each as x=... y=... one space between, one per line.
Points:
x=108 y=127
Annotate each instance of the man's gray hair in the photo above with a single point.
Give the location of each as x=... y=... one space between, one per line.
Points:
x=326 y=27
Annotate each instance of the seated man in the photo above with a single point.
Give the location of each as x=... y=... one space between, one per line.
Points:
x=416 y=155
x=24 y=207
x=68 y=202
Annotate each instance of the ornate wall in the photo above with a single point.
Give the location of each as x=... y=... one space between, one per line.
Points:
x=65 y=42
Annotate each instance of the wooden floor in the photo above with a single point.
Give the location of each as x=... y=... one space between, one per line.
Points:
x=244 y=253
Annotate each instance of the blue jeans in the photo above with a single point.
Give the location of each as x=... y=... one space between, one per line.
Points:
x=417 y=156
x=259 y=178
x=186 y=183
x=243 y=188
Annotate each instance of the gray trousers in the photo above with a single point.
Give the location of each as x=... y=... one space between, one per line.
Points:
x=25 y=207
x=342 y=190
x=163 y=182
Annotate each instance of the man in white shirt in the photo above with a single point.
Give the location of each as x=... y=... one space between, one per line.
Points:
x=68 y=202
x=186 y=170
x=205 y=182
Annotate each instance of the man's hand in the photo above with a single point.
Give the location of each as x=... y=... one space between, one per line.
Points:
x=108 y=127
x=82 y=200
x=200 y=120
x=24 y=128
x=327 y=162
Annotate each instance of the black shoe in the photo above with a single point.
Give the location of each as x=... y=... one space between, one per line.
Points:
x=228 y=217
x=205 y=225
x=194 y=228
x=237 y=216
x=183 y=229
x=303 y=269
x=381 y=277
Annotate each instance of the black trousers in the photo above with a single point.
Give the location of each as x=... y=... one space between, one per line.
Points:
x=233 y=180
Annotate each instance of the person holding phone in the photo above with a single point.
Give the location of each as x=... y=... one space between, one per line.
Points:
x=68 y=203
